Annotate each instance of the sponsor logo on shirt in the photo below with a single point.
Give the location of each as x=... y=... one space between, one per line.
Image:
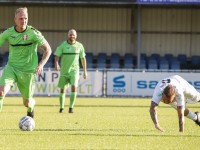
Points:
x=76 y=48
x=25 y=36
x=12 y=36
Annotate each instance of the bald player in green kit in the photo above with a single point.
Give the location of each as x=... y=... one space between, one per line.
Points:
x=22 y=66
x=69 y=51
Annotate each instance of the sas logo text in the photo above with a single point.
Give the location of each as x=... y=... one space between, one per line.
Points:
x=119 y=85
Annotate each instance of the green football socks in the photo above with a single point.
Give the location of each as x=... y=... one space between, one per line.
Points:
x=62 y=100
x=31 y=105
x=1 y=103
x=72 y=99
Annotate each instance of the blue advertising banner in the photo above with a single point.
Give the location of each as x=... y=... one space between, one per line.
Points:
x=169 y=1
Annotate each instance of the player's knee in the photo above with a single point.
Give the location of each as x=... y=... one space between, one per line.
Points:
x=73 y=89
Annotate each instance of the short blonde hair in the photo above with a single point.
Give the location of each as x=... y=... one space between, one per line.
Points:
x=21 y=10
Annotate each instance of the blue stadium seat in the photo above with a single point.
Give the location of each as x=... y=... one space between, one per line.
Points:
x=160 y=59
x=5 y=59
x=168 y=56
x=143 y=56
x=175 y=65
x=101 y=65
x=182 y=59
x=195 y=60
x=172 y=59
x=143 y=64
x=89 y=65
x=152 y=64
x=164 y=64
x=128 y=56
x=114 y=65
x=128 y=60
x=115 y=58
x=155 y=56
x=101 y=58
x=89 y=58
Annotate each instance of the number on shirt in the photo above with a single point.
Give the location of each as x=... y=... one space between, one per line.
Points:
x=166 y=81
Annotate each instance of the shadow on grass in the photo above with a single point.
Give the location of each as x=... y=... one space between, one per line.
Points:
x=104 y=130
x=97 y=106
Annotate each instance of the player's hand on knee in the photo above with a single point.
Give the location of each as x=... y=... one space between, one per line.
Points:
x=159 y=128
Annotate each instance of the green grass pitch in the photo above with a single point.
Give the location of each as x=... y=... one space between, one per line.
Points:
x=98 y=123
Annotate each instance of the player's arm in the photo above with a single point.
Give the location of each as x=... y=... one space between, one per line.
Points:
x=3 y=38
x=83 y=62
x=153 y=114
x=57 y=67
x=47 y=52
x=180 y=111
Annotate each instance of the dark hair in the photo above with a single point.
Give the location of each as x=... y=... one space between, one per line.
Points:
x=169 y=91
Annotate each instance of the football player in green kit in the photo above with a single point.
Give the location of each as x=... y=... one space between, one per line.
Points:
x=22 y=65
x=69 y=51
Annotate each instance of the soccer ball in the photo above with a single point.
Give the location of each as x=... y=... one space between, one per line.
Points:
x=26 y=123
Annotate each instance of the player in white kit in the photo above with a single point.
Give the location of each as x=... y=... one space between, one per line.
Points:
x=176 y=92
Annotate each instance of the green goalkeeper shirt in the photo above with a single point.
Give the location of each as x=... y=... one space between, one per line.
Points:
x=70 y=54
x=22 y=48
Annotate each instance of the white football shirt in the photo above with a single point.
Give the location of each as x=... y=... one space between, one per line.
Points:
x=185 y=93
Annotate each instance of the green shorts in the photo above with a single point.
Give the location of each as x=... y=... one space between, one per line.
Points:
x=25 y=82
x=64 y=81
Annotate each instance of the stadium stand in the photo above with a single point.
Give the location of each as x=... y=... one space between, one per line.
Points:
x=101 y=60
x=155 y=56
x=168 y=56
x=143 y=56
x=195 y=60
x=89 y=58
x=152 y=64
x=163 y=64
x=143 y=64
x=160 y=59
x=175 y=65
x=128 y=60
x=115 y=60
x=182 y=59
x=5 y=59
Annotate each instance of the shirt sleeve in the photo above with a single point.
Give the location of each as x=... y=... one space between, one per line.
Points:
x=82 y=52
x=39 y=38
x=3 y=38
x=180 y=98
x=59 y=50
x=157 y=96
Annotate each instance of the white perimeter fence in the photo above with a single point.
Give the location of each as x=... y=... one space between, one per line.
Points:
x=109 y=82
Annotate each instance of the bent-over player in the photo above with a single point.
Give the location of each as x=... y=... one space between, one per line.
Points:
x=176 y=92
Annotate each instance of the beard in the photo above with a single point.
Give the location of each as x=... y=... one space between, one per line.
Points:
x=72 y=40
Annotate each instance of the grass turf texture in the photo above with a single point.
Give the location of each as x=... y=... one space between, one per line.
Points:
x=98 y=123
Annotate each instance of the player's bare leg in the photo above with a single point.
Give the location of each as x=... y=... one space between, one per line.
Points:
x=29 y=103
x=62 y=100
x=72 y=98
x=3 y=91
